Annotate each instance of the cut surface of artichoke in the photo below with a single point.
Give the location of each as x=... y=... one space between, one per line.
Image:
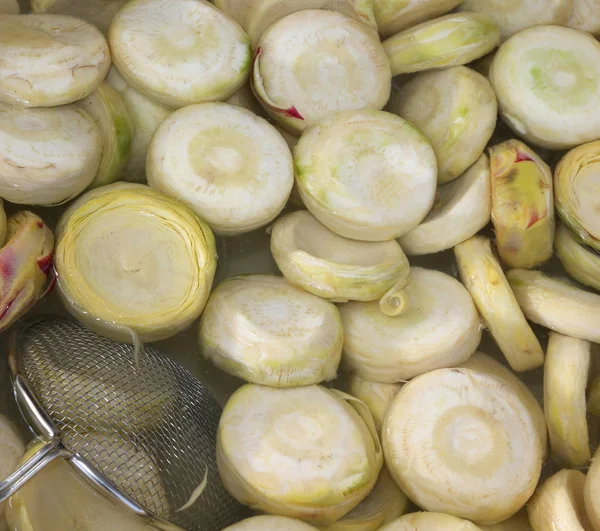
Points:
x=271 y=523
x=9 y=7
x=366 y=175
x=12 y=452
x=49 y=60
x=305 y=452
x=455 y=109
x=179 y=52
x=429 y=522
x=107 y=109
x=581 y=262
x=522 y=205
x=230 y=166
x=585 y=16
x=440 y=328
x=47 y=156
x=591 y=492
x=576 y=181
x=547 y=81
x=565 y=379
x=134 y=264
x=557 y=304
x=461 y=209
x=266 y=331
x=516 y=15
x=558 y=503
x=455 y=39
x=314 y=63
x=462 y=442
x=333 y=267
x=482 y=274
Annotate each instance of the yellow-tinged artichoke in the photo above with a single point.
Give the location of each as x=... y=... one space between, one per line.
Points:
x=581 y=262
x=12 y=452
x=576 y=182
x=306 y=452
x=270 y=523
x=133 y=264
x=25 y=263
x=429 y=522
x=591 y=492
x=455 y=39
x=518 y=522
x=522 y=205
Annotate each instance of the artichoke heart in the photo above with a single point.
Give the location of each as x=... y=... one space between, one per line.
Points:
x=580 y=261
x=585 y=16
x=429 y=521
x=133 y=264
x=272 y=523
x=12 y=452
x=522 y=205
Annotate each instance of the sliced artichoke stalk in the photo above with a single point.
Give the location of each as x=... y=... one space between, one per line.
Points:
x=12 y=452
x=440 y=328
x=429 y=522
x=585 y=16
x=516 y=15
x=333 y=267
x=486 y=364
x=230 y=166
x=265 y=331
x=9 y=7
x=547 y=81
x=385 y=503
x=576 y=180
x=107 y=109
x=519 y=522
x=305 y=452
x=265 y=13
x=50 y=60
x=559 y=503
x=393 y=16
x=591 y=492
x=451 y=40
x=236 y=9
x=244 y=97
x=25 y=264
x=482 y=274
x=313 y=63
x=461 y=209
x=581 y=262
x=272 y=523
x=134 y=265
x=565 y=379
x=179 y=52
x=47 y=156
x=455 y=109
x=145 y=116
x=472 y=444
x=522 y=205
x=557 y=304
x=366 y=175
x=593 y=403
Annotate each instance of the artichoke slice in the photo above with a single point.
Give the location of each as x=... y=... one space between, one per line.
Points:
x=557 y=304
x=576 y=180
x=472 y=445
x=461 y=209
x=440 y=328
x=179 y=53
x=272 y=523
x=49 y=60
x=547 y=81
x=455 y=109
x=422 y=521
x=591 y=492
x=108 y=110
x=306 y=452
x=134 y=265
x=265 y=331
x=585 y=16
x=565 y=379
x=9 y=7
x=522 y=205
x=47 y=156
x=582 y=263
x=366 y=175
x=230 y=166
x=333 y=267
x=451 y=40
x=482 y=274
x=12 y=452
x=314 y=63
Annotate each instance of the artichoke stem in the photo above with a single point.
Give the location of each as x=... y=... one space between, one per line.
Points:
x=395 y=300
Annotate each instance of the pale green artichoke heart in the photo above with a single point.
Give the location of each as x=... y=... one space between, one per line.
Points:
x=132 y=264
x=266 y=331
x=581 y=262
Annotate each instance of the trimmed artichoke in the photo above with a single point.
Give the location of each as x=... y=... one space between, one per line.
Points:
x=451 y=40
x=585 y=16
x=455 y=109
x=519 y=522
x=134 y=265
x=522 y=205
x=429 y=522
x=270 y=523
x=581 y=262
x=591 y=492
x=306 y=452
x=12 y=452
x=49 y=60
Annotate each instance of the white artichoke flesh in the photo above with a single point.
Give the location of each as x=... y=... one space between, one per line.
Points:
x=585 y=16
x=429 y=521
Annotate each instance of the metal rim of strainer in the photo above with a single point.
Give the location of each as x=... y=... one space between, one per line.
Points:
x=49 y=438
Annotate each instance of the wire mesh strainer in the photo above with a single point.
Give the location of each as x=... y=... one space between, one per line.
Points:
x=146 y=435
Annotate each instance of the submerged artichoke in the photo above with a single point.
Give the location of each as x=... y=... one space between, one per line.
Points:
x=580 y=261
